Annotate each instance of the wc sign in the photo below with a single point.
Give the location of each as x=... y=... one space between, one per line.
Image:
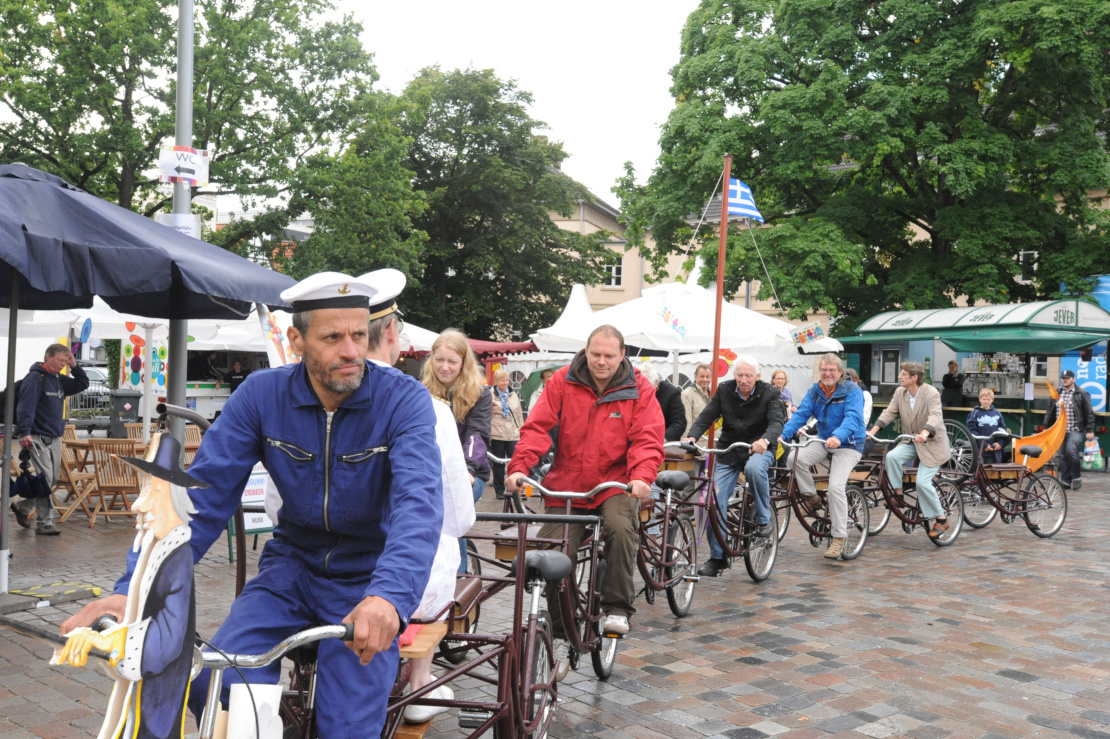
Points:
x=183 y=164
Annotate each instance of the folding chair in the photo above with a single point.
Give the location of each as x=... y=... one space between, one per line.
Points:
x=115 y=480
x=76 y=483
x=192 y=443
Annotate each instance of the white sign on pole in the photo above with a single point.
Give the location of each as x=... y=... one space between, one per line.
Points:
x=187 y=223
x=183 y=164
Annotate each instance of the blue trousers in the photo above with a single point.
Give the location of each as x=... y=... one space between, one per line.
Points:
x=927 y=498
x=755 y=472
x=1071 y=457
x=285 y=598
x=479 y=488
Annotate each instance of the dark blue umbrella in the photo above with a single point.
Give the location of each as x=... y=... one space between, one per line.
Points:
x=60 y=246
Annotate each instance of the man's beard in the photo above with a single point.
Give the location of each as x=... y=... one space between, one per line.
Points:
x=323 y=375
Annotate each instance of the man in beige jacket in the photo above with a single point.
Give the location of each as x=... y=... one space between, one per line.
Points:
x=919 y=407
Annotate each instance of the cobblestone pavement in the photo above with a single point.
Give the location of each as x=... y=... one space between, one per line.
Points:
x=1001 y=635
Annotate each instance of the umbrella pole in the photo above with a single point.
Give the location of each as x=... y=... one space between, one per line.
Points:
x=9 y=431
x=148 y=385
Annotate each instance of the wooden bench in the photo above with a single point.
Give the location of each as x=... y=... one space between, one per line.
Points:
x=504 y=546
x=425 y=643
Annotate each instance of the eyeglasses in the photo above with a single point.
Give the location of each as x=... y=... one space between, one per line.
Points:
x=400 y=318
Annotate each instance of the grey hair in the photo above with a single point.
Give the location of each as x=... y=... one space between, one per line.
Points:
x=831 y=358
x=749 y=360
x=375 y=330
x=914 y=369
x=701 y=367
x=182 y=503
x=649 y=372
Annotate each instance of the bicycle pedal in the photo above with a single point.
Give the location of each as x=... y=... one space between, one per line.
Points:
x=472 y=718
x=613 y=636
x=691 y=578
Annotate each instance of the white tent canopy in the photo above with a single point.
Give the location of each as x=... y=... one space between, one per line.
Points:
x=679 y=317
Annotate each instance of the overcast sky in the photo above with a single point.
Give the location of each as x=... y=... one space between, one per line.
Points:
x=598 y=69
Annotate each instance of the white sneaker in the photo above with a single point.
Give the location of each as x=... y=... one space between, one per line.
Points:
x=419 y=714
x=561 y=653
x=614 y=625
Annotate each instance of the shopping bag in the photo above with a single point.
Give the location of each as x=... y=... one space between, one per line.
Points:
x=29 y=484
x=1092 y=455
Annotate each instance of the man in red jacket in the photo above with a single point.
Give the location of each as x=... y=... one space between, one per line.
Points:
x=610 y=430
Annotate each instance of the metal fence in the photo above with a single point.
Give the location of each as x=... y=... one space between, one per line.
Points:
x=93 y=402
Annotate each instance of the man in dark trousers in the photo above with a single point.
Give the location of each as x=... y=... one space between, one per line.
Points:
x=1081 y=422
x=39 y=426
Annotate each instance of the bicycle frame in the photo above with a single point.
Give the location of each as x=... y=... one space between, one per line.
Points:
x=995 y=493
x=654 y=535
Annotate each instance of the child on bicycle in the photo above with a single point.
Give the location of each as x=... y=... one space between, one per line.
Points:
x=984 y=421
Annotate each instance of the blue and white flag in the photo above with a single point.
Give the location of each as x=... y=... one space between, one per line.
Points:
x=741 y=202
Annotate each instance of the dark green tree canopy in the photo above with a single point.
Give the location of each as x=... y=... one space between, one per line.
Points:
x=905 y=152
x=494 y=263
x=87 y=90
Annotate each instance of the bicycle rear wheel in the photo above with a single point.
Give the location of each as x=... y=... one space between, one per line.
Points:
x=978 y=510
x=682 y=550
x=965 y=451
x=760 y=552
x=858 y=522
x=953 y=504
x=1044 y=504
x=783 y=516
x=538 y=704
x=878 y=514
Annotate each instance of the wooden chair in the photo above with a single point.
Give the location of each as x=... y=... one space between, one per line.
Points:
x=192 y=443
x=115 y=480
x=135 y=435
x=75 y=483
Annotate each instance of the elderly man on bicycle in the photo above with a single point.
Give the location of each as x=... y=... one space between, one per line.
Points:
x=610 y=429
x=919 y=407
x=837 y=404
x=351 y=447
x=751 y=411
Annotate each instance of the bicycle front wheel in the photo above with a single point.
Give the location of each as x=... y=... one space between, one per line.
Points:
x=858 y=522
x=878 y=514
x=965 y=451
x=953 y=504
x=760 y=551
x=1044 y=504
x=538 y=696
x=782 y=515
x=978 y=510
x=682 y=551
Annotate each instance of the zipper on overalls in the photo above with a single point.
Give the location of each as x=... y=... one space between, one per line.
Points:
x=327 y=488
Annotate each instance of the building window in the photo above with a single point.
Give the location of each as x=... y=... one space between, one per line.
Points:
x=614 y=271
x=890 y=366
x=1040 y=367
x=1028 y=262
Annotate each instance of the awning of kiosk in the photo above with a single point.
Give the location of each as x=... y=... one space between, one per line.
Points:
x=1050 y=327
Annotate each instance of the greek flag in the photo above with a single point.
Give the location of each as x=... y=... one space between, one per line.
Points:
x=741 y=202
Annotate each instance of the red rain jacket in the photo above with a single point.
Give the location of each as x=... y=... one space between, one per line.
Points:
x=617 y=437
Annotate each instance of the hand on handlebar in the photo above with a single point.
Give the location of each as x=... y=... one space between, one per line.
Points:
x=112 y=605
x=640 y=490
x=376 y=626
x=832 y=443
x=512 y=482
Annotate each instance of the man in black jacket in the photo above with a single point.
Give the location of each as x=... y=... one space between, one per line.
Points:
x=752 y=411
x=39 y=427
x=1081 y=422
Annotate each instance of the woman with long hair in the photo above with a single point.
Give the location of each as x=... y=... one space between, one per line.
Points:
x=452 y=373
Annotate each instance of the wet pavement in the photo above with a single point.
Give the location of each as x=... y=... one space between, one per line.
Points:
x=1002 y=634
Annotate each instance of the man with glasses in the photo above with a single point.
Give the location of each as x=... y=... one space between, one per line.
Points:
x=751 y=411
x=837 y=404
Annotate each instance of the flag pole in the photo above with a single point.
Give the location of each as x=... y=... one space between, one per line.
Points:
x=721 y=266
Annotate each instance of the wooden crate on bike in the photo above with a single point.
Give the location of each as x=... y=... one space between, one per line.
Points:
x=677 y=459
x=1003 y=471
x=504 y=547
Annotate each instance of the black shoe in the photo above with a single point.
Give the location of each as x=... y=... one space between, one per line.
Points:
x=764 y=530
x=21 y=517
x=712 y=568
x=49 y=530
x=1065 y=485
x=1076 y=484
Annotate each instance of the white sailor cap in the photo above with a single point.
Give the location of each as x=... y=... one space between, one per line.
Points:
x=329 y=290
x=387 y=285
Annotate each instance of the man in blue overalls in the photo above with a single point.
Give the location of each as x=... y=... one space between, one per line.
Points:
x=351 y=448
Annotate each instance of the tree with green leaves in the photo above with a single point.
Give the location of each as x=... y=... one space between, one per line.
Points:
x=87 y=92
x=904 y=153
x=494 y=264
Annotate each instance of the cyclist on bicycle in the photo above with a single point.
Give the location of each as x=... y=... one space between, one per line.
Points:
x=837 y=404
x=610 y=429
x=752 y=411
x=354 y=542
x=919 y=407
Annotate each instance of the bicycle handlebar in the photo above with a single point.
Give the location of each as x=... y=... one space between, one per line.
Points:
x=529 y=482
x=999 y=433
x=536 y=518
x=693 y=448
x=496 y=459
x=899 y=437
x=806 y=441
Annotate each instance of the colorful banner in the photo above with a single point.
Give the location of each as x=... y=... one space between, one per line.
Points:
x=1091 y=376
